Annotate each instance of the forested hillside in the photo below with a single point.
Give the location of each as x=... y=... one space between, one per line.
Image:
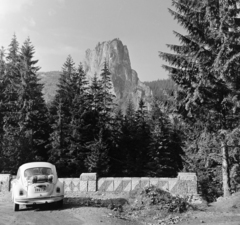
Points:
x=49 y=81
x=161 y=89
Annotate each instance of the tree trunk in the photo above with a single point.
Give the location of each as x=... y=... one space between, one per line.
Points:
x=225 y=169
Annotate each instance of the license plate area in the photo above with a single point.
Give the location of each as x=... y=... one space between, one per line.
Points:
x=40 y=189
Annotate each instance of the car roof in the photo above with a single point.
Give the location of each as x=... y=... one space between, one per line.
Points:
x=36 y=164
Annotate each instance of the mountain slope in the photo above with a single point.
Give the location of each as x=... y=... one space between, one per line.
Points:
x=160 y=88
x=50 y=81
x=126 y=83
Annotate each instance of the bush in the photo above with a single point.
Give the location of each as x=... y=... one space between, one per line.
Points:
x=210 y=184
x=153 y=196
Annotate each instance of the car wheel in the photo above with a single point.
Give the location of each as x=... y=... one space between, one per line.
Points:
x=15 y=207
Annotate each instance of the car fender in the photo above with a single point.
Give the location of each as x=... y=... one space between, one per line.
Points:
x=61 y=186
x=17 y=186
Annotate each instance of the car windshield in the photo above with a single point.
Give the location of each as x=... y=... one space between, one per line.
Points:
x=37 y=171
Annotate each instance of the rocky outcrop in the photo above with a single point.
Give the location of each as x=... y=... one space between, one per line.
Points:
x=126 y=83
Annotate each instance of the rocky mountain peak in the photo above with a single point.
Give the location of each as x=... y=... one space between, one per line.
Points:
x=126 y=84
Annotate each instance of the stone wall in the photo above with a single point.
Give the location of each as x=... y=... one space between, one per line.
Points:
x=5 y=182
x=86 y=183
x=185 y=184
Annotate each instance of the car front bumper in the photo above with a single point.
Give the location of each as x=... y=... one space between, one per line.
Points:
x=39 y=200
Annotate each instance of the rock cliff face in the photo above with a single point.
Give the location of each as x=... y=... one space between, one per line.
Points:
x=125 y=80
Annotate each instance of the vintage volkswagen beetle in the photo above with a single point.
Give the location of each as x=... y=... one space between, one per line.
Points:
x=37 y=183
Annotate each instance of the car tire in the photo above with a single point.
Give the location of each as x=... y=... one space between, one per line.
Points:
x=15 y=207
x=60 y=204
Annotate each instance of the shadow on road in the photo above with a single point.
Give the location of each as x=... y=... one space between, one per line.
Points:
x=75 y=202
x=78 y=202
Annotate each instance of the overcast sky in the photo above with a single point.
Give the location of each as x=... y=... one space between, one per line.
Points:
x=58 y=28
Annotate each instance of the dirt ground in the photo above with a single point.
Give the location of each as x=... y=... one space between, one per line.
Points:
x=106 y=208
x=223 y=212
x=76 y=211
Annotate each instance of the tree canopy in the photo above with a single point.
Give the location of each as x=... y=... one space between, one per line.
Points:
x=205 y=68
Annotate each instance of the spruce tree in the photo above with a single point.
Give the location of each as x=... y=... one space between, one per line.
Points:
x=206 y=68
x=116 y=153
x=102 y=116
x=25 y=113
x=11 y=137
x=165 y=149
x=98 y=159
x=2 y=64
x=70 y=116
x=58 y=147
x=134 y=140
x=127 y=141
x=142 y=139
x=60 y=111
x=32 y=109
x=107 y=95
x=2 y=84
x=78 y=127
x=95 y=108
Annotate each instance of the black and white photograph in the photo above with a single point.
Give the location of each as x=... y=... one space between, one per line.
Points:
x=119 y=112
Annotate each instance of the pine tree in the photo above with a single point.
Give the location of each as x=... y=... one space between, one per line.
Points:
x=107 y=96
x=101 y=115
x=58 y=148
x=71 y=120
x=33 y=111
x=130 y=109
x=142 y=139
x=165 y=148
x=98 y=160
x=206 y=67
x=134 y=140
x=25 y=113
x=127 y=140
x=2 y=63
x=92 y=114
x=60 y=111
x=116 y=153
x=12 y=81
x=2 y=84
x=78 y=127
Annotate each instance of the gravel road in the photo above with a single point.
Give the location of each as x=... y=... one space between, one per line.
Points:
x=48 y=215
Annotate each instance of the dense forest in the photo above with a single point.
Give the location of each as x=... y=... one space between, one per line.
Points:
x=81 y=129
x=161 y=89
x=193 y=124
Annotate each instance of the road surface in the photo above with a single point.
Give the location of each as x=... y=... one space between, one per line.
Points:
x=49 y=215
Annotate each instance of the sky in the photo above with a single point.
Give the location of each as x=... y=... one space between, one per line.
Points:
x=58 y=28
